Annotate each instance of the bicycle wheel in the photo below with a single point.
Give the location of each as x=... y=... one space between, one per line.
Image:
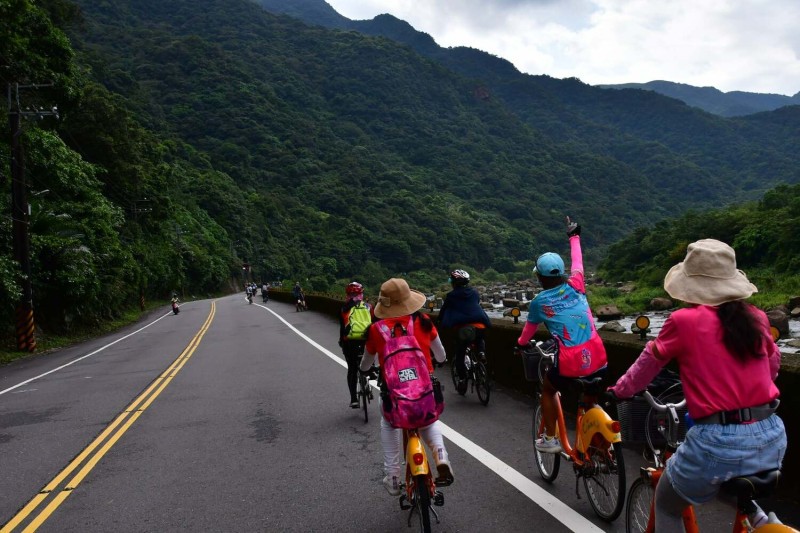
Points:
x=454 y=374
x=606 y=484
x=546 y=463
x=640 y=501
x=483 y=385
x=422 y=503
x=364 y=399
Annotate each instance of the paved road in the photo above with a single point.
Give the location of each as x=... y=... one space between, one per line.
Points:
x=231 y=417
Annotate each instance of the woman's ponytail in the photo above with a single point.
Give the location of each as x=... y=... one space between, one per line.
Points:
x=741 y=332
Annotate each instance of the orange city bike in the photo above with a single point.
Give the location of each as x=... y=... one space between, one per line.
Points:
x=640 y=515
x=597 y=454
x=419 y=491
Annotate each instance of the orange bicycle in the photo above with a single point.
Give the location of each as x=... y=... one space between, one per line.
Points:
x=640 y=515
x=419 y=490
x=597 y=455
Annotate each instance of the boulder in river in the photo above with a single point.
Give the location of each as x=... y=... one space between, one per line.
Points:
x=487 y=305
x=524 y=306
x=510 y=302
x=779 y=319
x=613 y=326
x=793 y=343
x=608 y=312
x=661 y=304
x=795 y=313
x=794 y=302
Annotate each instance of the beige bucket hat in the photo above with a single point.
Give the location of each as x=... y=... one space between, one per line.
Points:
x=708 y=275
x=397 y=299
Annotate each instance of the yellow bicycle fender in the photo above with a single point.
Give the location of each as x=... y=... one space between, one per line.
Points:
x=414 y=447
x=597 y=421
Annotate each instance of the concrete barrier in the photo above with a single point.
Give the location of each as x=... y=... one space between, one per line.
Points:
x=622 y=349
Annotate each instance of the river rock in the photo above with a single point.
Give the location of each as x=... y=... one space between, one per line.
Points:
x=793 y=343
x=608 y=312
x=613 y=326
x=661 y=304
x=795 y=313
x=487 y=305
x=529 y=294
x=510 y=302
x=779 y=319
x=794 y=302
x=524 y=306
x=782 y=308
x=496 y=298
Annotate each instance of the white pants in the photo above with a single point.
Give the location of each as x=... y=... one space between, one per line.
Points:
x=392 y=442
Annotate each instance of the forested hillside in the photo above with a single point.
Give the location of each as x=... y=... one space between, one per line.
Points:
x=704 y=159
x=730 y=104
x=764 y=235
x=198 y=135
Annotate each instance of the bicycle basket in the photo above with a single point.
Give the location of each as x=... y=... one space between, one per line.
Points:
x=640 y=424
x=530 y=364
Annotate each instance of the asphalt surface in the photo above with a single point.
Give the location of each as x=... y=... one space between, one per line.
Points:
x=244 y=425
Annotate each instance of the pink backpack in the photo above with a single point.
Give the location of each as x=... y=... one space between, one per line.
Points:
x=410 y=402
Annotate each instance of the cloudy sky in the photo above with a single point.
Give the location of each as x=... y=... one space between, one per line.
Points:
x=748 y=45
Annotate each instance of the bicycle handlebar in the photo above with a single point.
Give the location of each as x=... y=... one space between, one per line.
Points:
x=662 y=407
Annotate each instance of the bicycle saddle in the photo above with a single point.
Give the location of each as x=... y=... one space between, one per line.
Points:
x=592 y=384
x=752 y=487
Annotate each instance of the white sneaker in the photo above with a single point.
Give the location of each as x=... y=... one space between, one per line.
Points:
x=548 y=445
x=354 y=404
x=444 y=473
x=392 y=485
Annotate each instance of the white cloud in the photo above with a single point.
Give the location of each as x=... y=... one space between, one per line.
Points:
x=749 y=45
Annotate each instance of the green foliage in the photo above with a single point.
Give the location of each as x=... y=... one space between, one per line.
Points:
x=764 y=235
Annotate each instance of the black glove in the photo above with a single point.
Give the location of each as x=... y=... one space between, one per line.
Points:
x=573 y=228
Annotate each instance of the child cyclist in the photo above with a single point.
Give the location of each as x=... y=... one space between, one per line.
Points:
x=398 y=304
x=351 y=334
x=728 y=362
x=562 y=306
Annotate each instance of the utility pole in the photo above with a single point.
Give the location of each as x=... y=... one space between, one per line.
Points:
x=20 y=213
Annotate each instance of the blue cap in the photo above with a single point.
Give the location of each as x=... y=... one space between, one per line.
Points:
x=550 y=265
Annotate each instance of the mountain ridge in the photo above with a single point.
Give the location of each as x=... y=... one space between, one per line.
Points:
x=727 y=104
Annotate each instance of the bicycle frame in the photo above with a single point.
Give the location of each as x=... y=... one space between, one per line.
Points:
x=589 y=423
x=652 y=476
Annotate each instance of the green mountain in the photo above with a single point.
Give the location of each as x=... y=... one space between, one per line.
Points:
x=703 y=159
x=730 y=104
x=197 y=135
x=763 y=233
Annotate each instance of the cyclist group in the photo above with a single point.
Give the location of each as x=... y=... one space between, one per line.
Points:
x=727 y=359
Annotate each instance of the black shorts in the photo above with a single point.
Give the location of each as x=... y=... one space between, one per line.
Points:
x=562 y=383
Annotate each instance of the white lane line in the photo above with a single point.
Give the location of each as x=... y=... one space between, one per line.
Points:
x=555 y=507
x=83 y=357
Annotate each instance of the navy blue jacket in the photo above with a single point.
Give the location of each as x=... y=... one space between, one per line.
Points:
x=463 y=306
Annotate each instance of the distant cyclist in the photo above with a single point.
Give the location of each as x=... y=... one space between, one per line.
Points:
x=728 y=363
x=398 y=307
x=299 y=296
x=462 y=310
x=265 y=292
x=563 y=307
x=355 y=318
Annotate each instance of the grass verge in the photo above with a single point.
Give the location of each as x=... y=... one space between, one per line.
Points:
x=46 y=342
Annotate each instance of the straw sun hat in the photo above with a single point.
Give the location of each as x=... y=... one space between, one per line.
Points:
x=397 y=299
x=708 y=275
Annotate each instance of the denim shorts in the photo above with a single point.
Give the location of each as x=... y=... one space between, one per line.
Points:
x=713 y=454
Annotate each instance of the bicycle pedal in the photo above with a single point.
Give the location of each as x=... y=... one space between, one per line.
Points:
x=405 y=505
x=438 y=499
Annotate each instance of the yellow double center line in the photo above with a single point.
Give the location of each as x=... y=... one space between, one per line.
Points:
x=128 y=416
